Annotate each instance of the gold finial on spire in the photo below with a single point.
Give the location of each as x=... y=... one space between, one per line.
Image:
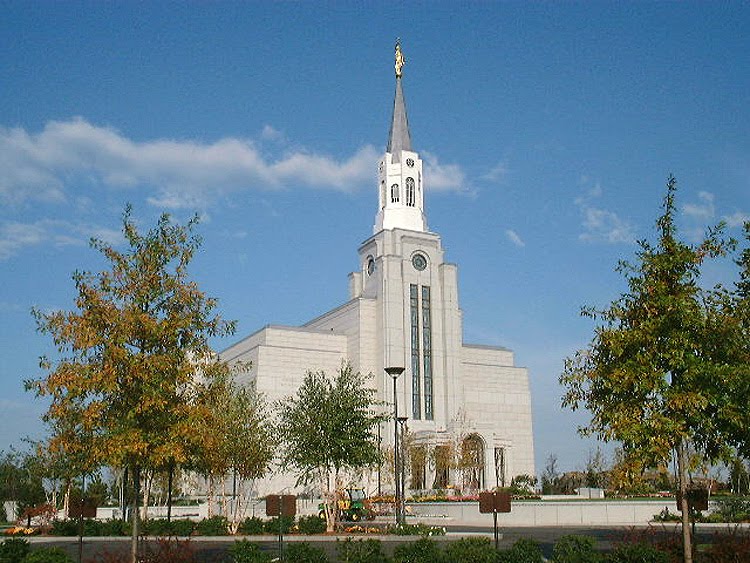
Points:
x=400 y=61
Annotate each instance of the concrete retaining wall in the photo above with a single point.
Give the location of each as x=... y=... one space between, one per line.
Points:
x=523 y=513
x=541 y=513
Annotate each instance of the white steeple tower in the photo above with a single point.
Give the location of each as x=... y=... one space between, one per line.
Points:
x=401 y=193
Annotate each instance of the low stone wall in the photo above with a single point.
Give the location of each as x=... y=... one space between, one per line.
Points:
x=541 y=513
x=523 y=513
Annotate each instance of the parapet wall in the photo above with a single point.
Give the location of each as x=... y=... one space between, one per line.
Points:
x=541 y=513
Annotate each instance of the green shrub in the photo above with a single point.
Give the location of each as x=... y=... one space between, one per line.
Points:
x=272 y=526
x=637 y=553
x=360 y=551
x=64 y=528
x=244 y=551
x=164 y=527
x=303 y=552
x=91 y=528
x=13 y=550
x=182 y=527
x=733 y=509
x=424 y=550
x=576 y=549
x=214 y=526
x=667 y=516
x=115 y=528
x=48 y=555
x=251 y=527
x=471 y=550
x=309 y=525
x=524 y=550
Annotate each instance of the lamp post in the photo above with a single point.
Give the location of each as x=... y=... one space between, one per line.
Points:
x=394 y=372
x=402 y=469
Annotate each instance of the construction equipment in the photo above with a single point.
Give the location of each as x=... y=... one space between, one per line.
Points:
x=353 y=506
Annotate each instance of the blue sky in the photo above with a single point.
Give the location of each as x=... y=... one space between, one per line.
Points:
x=548 y=131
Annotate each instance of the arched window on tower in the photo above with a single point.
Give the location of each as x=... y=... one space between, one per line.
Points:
x=383 y=195
x=410 y=192
x=394 y=193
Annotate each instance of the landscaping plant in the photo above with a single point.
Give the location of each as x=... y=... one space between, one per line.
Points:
x=13 y=550
x=272 y=526
x=360 y=551
x=303 y=552
x=471 y=550
x=424 y=550
x=524 y=550
x=312 y=524
x=637 y=553
x=214 y=526
x=48 y=555
x=251 y=526
x=244 y=551
x=576 y=549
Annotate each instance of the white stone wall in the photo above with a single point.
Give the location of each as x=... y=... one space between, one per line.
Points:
x=497 y=403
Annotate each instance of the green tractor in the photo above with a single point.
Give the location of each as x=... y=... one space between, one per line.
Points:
x=353 y=506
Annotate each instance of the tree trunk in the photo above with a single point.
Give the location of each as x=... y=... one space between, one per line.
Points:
x=148 y=479
x=210 y=496
x=169 y=491
x=66 y=497
x=135 y=515
x=687 y=544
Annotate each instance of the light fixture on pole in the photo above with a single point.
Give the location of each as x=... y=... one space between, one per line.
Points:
x=402 y=469
x=394 y=372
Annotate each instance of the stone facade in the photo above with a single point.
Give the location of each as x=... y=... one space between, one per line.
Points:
x=403 y=310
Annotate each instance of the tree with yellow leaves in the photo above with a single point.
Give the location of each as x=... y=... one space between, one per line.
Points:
x=123 y=388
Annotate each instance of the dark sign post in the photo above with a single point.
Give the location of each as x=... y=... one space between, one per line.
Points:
x=81 y=508
x=494 y=502
x=281 y=505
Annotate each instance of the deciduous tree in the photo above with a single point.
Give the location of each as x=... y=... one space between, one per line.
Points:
x=649 y=377
x=237 y=439
x=328 y=426
x=123 y=388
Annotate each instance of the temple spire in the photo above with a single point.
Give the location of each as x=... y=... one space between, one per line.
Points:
x=399 y=137
x=401 y=191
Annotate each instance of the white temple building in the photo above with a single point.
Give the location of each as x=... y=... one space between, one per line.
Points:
x=403 y=310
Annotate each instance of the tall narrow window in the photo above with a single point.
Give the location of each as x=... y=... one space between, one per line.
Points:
x=416 y=387
x=427 y=352
x=442 y=467
x=382 y=194
x=410 y=192
x=499 y=467
x=394 y=193
x=418 y=465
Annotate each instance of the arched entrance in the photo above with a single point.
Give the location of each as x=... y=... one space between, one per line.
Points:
x=472 y=462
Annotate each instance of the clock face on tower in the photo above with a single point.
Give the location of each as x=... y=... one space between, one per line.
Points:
x=419 y=261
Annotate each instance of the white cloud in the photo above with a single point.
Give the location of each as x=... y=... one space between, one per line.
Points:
x=737 y=219
x=269 y=133
x=514 y=238
x=704 y=210
x=498 y=173
x=605 y=226
x=176 y=174
x=601 y=225
x=443 y=177
x=15 y=236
